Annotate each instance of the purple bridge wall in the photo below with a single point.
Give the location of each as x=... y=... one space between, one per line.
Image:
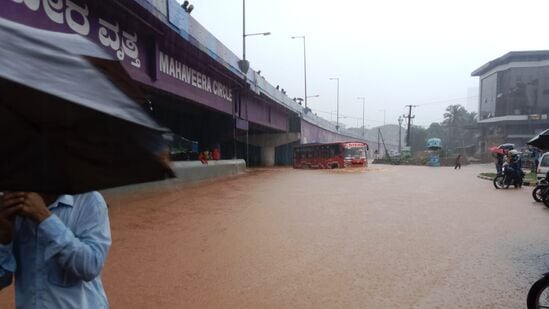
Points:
x=165 y=49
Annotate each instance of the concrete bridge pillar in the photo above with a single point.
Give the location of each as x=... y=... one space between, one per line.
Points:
x=268 y=143
x=268 y=155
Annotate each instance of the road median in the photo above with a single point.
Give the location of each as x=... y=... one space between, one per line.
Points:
x=529 y=179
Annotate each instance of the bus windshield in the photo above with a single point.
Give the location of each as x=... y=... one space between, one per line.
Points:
x=357 y=152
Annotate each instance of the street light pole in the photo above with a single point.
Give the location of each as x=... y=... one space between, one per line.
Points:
x=337 y=117
x=363 y=109
x=304 y=64
x=379 y=129
x=399 y=134
x=244 y=66
x=244 y=30
x=382 y=110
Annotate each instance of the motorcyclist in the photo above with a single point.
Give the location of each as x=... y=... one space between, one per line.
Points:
x=515 y=167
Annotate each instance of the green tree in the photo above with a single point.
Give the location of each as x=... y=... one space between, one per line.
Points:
x=418 y=139
x=459 y=124
x=436 y=130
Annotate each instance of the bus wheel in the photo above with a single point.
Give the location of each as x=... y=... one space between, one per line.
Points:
x=335 y=166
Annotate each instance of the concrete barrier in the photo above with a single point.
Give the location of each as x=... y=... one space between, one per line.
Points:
x=190 y=171
x=186 y=172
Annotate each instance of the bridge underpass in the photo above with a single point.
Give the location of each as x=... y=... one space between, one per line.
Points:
x=210 y=128
x=269 y=144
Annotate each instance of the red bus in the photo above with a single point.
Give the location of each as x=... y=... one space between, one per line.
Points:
x=333 y=155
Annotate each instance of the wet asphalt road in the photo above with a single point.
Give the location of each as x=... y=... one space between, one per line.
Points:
x=385 y=237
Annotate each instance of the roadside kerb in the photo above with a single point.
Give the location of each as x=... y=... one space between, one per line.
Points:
x=526 y=183
x=187 y=172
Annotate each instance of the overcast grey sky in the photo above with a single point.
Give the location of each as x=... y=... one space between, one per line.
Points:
x=393 y=52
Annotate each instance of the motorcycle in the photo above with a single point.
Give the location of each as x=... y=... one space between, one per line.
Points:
x=538 y=295
x=540 y=190
x=507 y=177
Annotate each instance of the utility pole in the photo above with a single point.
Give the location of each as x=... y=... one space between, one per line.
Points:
x=410 y=117
x=337 y=117
x=400 y=134
x=378 y=133
x=304 y=65
x=363 y=108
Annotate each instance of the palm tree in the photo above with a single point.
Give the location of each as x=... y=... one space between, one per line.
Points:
x=456 y=119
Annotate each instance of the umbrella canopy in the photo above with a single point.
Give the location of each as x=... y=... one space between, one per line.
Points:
x=507 y=146
x=66 y=124
x=497 y=150
x=541 y=140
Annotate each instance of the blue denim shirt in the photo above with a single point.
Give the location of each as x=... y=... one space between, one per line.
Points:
x=57 y=264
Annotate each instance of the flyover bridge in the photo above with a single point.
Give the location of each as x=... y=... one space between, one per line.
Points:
x=193 y=81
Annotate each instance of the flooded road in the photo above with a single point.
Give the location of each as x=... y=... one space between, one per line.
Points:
x=385 y=237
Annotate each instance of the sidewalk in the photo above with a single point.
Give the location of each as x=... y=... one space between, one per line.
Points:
x=187 y=172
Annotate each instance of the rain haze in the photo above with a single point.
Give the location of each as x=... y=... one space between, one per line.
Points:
x=393 y=53
x=144 y=166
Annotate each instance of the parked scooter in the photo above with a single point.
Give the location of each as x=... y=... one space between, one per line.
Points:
x=541 y=189
x=508 y=177
x=545 y=199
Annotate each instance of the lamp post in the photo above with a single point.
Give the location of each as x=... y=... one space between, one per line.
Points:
x=379 y=129
x=310 y=96
x=304 y=64
x=332 y=115
x=244 y=64
x=399 y=134
x=382 y=110
x=337 y=117
x=244 y=67
x=363 y=111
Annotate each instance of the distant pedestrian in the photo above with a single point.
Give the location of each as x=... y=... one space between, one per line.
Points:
x=458 y=162
x=204 y=156
x=535 y=155
x=216 y=155
x=499 y=162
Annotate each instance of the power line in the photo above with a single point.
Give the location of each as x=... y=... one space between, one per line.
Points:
x=446 y=101
x=346 y=116
x=407 y=106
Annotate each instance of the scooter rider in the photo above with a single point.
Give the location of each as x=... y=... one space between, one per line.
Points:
x=515 y=167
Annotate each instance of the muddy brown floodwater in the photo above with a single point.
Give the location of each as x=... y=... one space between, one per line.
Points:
x=385 y=237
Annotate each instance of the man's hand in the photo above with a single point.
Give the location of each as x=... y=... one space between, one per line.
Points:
x=7 y=219
x=31 y=205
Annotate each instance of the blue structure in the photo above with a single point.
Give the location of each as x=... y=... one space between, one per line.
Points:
x=434 y=145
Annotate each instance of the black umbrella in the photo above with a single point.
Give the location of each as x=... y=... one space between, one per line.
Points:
x=541 y=140
x=66 y=122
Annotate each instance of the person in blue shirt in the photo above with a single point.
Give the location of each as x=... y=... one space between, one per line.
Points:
x=56 y=247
